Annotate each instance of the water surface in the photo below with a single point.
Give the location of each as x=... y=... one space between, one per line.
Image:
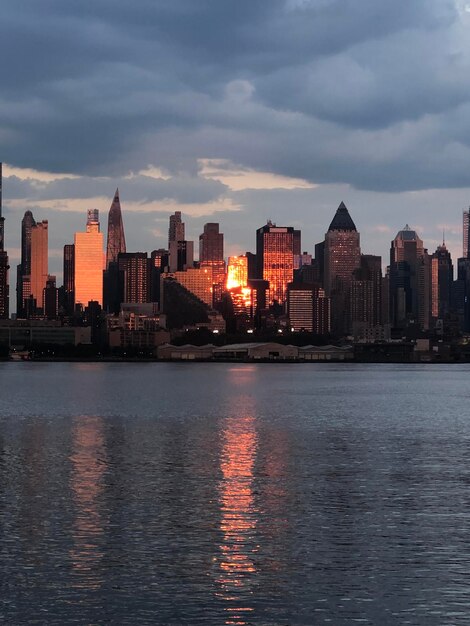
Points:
x=217 y=494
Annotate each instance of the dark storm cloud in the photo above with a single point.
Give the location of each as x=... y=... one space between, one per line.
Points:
x=369 y=93
x=139 y=188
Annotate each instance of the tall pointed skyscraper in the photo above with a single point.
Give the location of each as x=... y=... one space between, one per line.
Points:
x=116 y=240
x=342 y=256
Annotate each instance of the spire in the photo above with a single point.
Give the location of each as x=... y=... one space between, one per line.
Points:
x=342 y=220
x=116 y=240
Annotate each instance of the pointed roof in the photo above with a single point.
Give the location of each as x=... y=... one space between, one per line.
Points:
x=342 y=220
x=407 y=234
x=116 y=239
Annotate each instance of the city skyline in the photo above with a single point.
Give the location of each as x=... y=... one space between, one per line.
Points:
x=56 y=260
x=175 y=105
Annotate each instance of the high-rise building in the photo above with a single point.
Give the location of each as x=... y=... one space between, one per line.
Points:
x=181 y=252
x=211 y=254
x=89 y=261
x=39 y=262
x=4 y=267
x=23 y=276
x=116 y=243
x=237 y=272
x=409 y=280
x=308 y=309
x=342 y=251
x=442 y=277
x=134 y=270
x=241 y=295
x=321 y=313
x=366 y=293
x=466 y=231
x=69 y=278
x=300 y=307
x=176 y=229
x=275 y=258
x=51 y=299
x=342 y=257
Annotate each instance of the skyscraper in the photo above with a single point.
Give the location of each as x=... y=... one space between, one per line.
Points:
x=466 y=231
x=89 y=261
x=211 y=254
x=366 y=293
x=134 y=274
x=181 y=252
x=275 y=257
x=69 y=278
x=116 y=243
x=342 y=251
x=409 y=280
x=342 y=257
x=176 y=229
x=39 y=262
x=4 y=267
x=442 y=276
x=23 y=276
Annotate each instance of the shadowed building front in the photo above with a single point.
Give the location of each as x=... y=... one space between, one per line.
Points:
x=342 y=257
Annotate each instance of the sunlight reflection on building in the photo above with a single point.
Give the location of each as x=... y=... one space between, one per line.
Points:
x=239 y=519
x=88 y=461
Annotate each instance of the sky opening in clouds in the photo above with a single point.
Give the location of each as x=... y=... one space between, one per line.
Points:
x=237 y=112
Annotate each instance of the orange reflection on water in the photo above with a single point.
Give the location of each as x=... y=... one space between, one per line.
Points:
x=239 y=517
x=88 y=466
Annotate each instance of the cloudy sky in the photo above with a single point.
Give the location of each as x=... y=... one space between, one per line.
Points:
x=236 y=112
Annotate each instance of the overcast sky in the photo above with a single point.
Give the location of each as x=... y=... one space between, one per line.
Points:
x=236 y=112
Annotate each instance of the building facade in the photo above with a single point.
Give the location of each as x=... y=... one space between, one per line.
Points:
x=275 y=259
x=89 y=262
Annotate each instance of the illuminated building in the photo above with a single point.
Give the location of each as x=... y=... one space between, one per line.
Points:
x=275 y=256
x=237 y=272
x=442 y=276
x=242 y=296
x=211 y=255
x=409 y=280
x=197 y=281
x=4 y=267
x=23 y=278
x=89 y=261
x=39 y=261
x=116 y=243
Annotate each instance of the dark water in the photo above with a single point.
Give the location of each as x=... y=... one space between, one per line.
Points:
x=234 y=494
